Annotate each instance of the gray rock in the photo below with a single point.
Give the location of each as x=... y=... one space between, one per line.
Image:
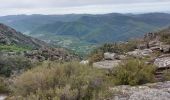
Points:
x=110 y=56
x=107 y=64
x=150 y=94
x=165 y=48
x=154 y=91
x=84 y=62
x=154 y=43
x=140 y=53
x=121 y=57
x=162 y=62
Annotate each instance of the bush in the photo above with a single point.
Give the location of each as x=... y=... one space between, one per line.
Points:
x=51 y=81
x=96 y=57
x=166 y=75
x=13 y=64
x=133 y=72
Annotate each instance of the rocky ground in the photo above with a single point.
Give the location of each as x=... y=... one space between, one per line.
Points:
x=154 y=91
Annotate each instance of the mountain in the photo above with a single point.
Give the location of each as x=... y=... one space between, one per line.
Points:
x=81 y=33
x=106 y=28
x=26 y=23
x=9 y=36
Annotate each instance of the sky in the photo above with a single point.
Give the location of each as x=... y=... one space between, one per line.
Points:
x=13 y=7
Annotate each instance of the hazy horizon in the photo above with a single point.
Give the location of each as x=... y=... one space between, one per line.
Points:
x=60 y=7
x=85 y=14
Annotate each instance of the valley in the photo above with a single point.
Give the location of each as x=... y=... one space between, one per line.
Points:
x=83 y=32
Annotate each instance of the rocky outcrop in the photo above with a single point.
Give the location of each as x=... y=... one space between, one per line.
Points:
x=155 y=91
x=162 y=62
x=107 y=64
x=110 y=56
x=53 y=54
x=165 y=48
x=140 y=53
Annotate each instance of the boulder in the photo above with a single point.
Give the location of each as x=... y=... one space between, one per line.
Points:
x=142 y=46
x=140 y=53
x=165 y=48
x=146 y=52
x=162 y=62
x=84 y=62
x=121 y=57
x=107 y=64
x=154 y=43
x=110 y=56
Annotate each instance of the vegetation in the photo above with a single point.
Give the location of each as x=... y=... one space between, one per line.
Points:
x=133 y=72
x=165 y=35
x=166 y=75
x=120 y=48
x=70 y=81
x=103 y=28
x=73 y=81
x=12 y=48
x=13 y=64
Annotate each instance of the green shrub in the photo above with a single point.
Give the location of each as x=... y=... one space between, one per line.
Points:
x=96 y=57
x=166 y=75
x=133 y=72
x=13 y=48
x=70 y=81
x=11 y=64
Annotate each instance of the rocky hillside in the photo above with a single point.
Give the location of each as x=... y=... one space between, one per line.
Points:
x=19 y=52
x=9 y=36
x=154 y=49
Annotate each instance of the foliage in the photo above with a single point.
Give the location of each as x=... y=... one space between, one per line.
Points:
x=166 y=75
x=165 y=35
x=96 y=57
x=133 y=72
x=12 y=48
x=13 y=64
x=70 y=81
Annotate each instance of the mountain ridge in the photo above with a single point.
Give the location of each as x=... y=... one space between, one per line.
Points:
x=9 y=36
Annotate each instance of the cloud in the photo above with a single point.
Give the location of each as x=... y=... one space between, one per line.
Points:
x=66 y=3
x=81 y=6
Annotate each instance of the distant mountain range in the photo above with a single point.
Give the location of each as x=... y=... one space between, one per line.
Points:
x=93 y=29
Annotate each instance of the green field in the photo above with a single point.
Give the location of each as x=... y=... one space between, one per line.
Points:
x=74 y=44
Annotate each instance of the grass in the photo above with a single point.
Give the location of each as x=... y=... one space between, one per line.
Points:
x=12 y=48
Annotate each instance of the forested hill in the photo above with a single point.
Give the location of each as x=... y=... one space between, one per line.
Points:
x=91 y=28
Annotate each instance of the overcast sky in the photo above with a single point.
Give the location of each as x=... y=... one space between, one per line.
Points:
x=11 y=7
